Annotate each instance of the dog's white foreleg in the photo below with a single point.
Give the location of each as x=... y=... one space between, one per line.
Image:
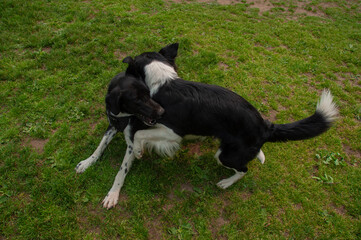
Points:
x=225 y=183
x=112 y=197
x=261 y=156
x=108 y=136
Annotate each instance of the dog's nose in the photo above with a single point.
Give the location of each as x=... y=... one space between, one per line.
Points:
x=160 y=111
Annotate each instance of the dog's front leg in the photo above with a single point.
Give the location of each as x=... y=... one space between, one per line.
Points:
x=108 y=136
x=112 y=197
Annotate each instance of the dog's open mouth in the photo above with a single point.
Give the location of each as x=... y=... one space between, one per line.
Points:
x=146 y=120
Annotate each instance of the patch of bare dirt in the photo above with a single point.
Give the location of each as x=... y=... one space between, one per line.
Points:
x=172 y=196
x=119 y=54
x=301 y=8
x=133 y=8
x=314 y=172
x=312 y=11
x=245 y=195
x=223 y=66
x=93 y=125
x=46 y=49
x=262 y=5
x=222 y=2
x=298 y=206
x=168 y=207
x=22 y=199
x=351 y=152
x=155 y=228
x=328 y=5
x=352 y=79
x=195 y=149
x=185 y=187
x=298 y=8
x=340 y=210
x=36 y=144
x=216 y=226
x=85 y=220
x=221 y=219
x=272 y=114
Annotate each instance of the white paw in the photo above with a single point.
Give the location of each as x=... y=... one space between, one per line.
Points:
x=138 y=153
x=83 y=165
x=110 y=200
x=225 y=183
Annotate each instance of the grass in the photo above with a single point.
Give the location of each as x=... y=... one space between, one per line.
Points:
x=57 y=58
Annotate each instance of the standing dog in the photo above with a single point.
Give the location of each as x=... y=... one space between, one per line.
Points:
x=207 y=110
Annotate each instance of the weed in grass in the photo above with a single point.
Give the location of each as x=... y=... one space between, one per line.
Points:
x=184 y=231
x=332 y=158
x=324 y=179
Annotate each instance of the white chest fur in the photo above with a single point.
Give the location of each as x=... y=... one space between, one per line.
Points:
x=157 y=74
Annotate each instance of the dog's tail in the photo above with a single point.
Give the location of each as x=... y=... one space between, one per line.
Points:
x=326 y=113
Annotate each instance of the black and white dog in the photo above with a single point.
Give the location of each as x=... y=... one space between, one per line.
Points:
x=147 y=111
x=193 y=108
x=177 y=108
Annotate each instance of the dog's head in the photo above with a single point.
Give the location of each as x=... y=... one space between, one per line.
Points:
x=164 y=59
x=129 y=96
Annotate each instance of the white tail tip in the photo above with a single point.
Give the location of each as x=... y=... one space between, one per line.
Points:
x=327 y=107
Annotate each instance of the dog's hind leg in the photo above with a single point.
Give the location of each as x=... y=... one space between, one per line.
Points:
x=231 y=159
x=112 y=197
x=225 y=183
x=108 y=136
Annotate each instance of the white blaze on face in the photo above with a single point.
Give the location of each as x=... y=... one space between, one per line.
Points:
x=157 y=74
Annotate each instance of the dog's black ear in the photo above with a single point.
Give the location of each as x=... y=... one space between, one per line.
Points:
x=170 y=52
x=131 y=69
x=128 y=60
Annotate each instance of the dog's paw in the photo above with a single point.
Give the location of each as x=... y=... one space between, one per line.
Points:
x=83 y=165
x=138 y=153
x=110 y=200
x=225 y=183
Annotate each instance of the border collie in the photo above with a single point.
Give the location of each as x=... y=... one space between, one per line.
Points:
x=155 y=109
x=193 y=108
x=147 y=112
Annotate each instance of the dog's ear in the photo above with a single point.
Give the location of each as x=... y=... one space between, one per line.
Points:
x=131 y=69
x=170 y=52
x=128 y=60
x=112 y=100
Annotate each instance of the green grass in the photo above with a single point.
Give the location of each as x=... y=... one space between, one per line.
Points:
x=57 y=58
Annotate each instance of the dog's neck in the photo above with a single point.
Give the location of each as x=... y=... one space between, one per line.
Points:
x=157 y=74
